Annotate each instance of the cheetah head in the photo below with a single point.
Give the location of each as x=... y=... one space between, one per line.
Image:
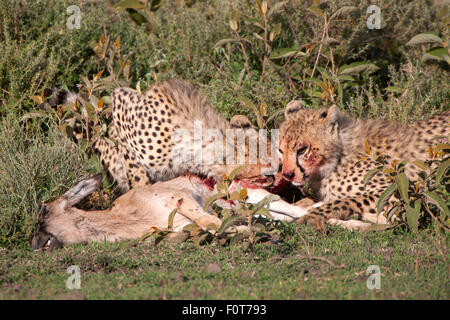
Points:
x=310 y=145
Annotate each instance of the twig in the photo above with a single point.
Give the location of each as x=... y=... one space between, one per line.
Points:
x=319 y=258
x=292 y=28
x=325 y=26
x=434 y=217
x=243 y=51
x=310 y=257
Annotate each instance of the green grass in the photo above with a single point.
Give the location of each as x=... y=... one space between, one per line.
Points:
x=38 y=164
x=411 y=268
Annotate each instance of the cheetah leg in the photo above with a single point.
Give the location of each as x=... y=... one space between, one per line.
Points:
x=113 y=163
x=136 y=173
x=374 y=218
x=342 y=209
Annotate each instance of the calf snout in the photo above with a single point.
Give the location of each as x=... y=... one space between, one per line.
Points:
x=43 y=240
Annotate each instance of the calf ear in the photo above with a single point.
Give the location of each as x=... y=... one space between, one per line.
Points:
x=292 y=108
x=240 y=122
x=82 y=189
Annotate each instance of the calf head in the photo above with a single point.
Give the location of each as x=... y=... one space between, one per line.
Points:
x=54 y=215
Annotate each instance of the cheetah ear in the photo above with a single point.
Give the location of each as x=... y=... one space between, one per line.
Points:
x=331 y=115
x=292 y=108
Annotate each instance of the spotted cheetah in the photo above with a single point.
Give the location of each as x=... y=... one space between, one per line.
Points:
x=324 y=147
x=143 y=126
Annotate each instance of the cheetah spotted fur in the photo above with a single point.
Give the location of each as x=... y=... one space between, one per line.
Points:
x=143 y=127
x=324 y=147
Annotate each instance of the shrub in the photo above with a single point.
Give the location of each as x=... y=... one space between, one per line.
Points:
x=34 y=167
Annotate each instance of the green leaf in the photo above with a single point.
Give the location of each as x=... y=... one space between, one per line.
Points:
x=264 y=202
x=138 y=18
x=199 y=239
x=443 y=167
x=249 y=104
x=255 y=22
x=84 y=144
x=424 y=38
x=395 y=89
x=148 y=234
x=325 y=74
x=276 y=7
x=192 y=227
x=110 y=141
x=156 y=4
x=340 y=91
x=258 y=6
x=257 y=36
x=224 y=41
x=393 y=210
x=384 y=197
x=235 y=195
x=412 y=215
x=229 y=222
x=211 y=199
x=346 y=78
x=318 y=82
x=264 y=212
x=441 y=146
x=438 y=201
x=275 y=31
x=421 y=164
x=222 y=187
x=211 y=226
x=130 y=4
x=358 y=67
x=35 y=114
x=370 y=174
x=403 y=185
x=440 y=53
x=235 y=171
x=90 y=111
x=317 y=11
x=170 y=219
x=284 y=53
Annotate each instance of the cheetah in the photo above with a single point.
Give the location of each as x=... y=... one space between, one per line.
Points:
x=324 y=148
x=144 y=125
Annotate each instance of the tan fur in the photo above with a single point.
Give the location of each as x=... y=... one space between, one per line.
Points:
x=139 y=211
x=323 y=147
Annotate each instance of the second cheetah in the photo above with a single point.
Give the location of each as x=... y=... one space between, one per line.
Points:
x=323 y=147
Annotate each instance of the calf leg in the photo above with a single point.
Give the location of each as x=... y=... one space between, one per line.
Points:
x=280 y=209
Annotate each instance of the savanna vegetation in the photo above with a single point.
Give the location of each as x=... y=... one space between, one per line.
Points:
x=248 y=57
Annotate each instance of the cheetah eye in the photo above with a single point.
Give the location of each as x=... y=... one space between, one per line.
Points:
x=280 y=151
x=302 y=150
